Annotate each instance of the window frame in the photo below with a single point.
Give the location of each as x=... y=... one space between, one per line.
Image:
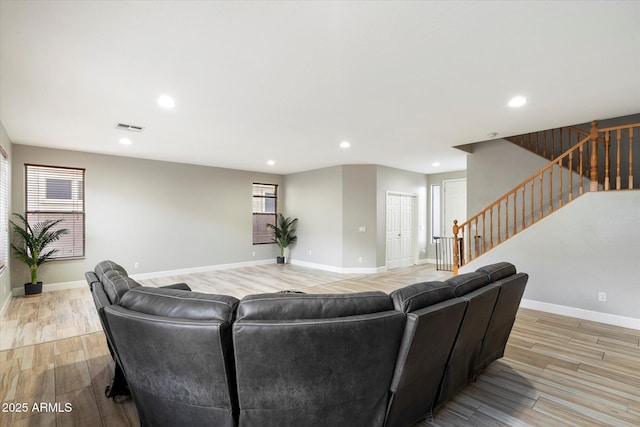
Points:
x=78 y=199
x=253 y=214
x=436 y=212
x=4 y=209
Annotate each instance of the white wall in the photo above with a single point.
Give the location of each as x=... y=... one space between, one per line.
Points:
x=163 y=215
x=589 y=246
x=5 y=276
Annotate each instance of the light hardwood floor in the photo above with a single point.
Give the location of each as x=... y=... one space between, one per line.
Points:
x=557 y=370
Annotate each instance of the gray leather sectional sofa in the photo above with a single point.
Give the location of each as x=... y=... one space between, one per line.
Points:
x=289 y=359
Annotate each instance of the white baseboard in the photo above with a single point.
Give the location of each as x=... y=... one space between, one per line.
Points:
x=4 y=307
x=53 y=287
x=594 y=316
x=191 y=270
x=334 y=269
x=80 y=283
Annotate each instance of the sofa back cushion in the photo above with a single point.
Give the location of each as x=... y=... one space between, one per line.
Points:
x=468 y=282
x=116 y=284
x=292 y=306
x=181 y=304
x=420 y=295
x=498 y=271
x=107 y=265
x=315 y=360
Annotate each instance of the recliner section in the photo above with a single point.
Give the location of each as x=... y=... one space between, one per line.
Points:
x=512 y=286
x=433 y=315
x=480 y=296
x=288 y=359
x=108 y=282
x=176 y=351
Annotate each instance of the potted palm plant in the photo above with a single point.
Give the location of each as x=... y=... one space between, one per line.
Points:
x=30 y=246
x=284 y=233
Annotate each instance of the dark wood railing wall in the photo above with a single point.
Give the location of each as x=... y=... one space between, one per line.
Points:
x=599 y=160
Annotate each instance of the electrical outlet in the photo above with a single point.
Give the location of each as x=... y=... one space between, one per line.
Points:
x=253 y=254
x=602 y=296
x=360 y=259
x=309 y=253
x=136 y=264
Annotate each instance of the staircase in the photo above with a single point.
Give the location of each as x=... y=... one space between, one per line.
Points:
x=580 y=161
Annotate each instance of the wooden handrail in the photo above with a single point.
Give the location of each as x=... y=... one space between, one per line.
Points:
x=550 y=142
x=549 y=190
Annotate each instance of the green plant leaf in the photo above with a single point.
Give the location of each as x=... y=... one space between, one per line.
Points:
x=31 y=241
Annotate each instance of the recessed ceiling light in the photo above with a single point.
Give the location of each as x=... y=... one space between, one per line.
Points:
x=125 y=141
x=271 y=162
x=435 y=164
x=166 y=101
x=517 y=101
x=345 y=144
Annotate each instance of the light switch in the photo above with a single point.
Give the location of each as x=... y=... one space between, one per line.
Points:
x=362 y=229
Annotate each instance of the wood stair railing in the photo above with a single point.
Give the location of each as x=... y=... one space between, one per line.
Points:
x=566 y=177
x=549 y=143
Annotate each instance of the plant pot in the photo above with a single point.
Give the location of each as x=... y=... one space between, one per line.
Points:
x=31 y=290
x=280 y=260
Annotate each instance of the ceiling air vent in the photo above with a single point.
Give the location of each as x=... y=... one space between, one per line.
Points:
x=130 y=128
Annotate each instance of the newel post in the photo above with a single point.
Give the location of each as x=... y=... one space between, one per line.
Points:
x=456 y=253
x=593 y=172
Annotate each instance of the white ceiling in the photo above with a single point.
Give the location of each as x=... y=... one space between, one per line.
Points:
x=288 y=81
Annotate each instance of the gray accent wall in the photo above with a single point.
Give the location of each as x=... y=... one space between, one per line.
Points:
x=5 y=276
x=589 y=246
x=495 y=167
x=162 y=215
x=315 y=198
x=332 y=204
x=359 y=210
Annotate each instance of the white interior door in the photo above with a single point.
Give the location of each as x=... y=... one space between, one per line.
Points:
x=406 y=231
x=400 y=231
x=394 y=232
x=454 y=204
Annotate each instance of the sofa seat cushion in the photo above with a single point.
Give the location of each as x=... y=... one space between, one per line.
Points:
x=420 y=295
x=468 y=282
x=294 y=306
x=181 y=304
x=498 y=271
x=116 y=284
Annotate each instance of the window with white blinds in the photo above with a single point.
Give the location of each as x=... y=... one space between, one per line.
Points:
x=4 y=209
x=265 y=201
x=54 y=193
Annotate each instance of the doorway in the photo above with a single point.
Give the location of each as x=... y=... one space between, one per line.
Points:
x=454 y=204
x=400 y=230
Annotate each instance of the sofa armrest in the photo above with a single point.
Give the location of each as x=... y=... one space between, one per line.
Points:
x=180 y=286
